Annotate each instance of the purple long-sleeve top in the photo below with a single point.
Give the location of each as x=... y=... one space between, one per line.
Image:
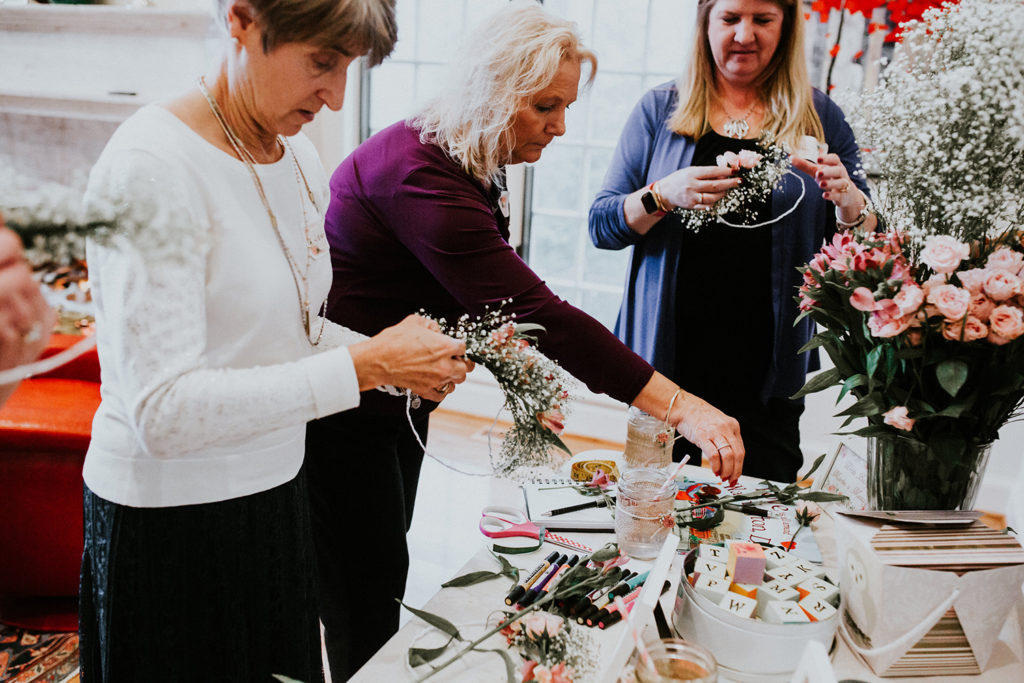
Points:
x=410 y=230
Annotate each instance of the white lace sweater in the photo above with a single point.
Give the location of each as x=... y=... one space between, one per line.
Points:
x=207 y=377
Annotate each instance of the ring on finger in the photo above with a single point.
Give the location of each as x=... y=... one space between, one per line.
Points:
x=700 y=197
x=445 y=388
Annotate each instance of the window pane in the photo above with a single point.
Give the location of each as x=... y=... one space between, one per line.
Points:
x=605 y=266
x=553 y=241
x=392 y=87
x=617 y=23
x=603 y=306
x=556 y=178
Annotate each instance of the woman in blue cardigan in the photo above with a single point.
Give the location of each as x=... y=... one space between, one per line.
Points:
x=714 y=309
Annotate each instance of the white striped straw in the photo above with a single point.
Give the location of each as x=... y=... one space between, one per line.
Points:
x=627 y=615
x=677 y=470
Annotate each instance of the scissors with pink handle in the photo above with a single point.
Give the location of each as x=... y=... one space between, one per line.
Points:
x=503 y=522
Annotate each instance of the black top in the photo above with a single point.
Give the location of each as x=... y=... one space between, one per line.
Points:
x=724 y=303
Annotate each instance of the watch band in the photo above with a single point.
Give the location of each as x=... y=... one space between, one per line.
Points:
x=650 y=202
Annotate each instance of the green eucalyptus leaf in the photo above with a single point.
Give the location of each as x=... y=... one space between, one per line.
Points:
x=471 y=579
x=814 y=466
x=952 y=374
x=419 y=655
x=438 y=622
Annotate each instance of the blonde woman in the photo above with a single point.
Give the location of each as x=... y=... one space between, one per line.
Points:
x=416 y=221
x=714 y=310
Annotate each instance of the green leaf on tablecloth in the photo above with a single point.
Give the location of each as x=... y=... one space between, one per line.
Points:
x=822 y=497
x=421 y=655
x=510 y=667
x=471 y=579
x=507 y=569
x=609 y=552
x=438 y=622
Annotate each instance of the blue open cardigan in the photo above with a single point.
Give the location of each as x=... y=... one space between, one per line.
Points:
x=648 y=151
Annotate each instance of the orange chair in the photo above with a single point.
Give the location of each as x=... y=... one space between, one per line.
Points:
x=44 y=433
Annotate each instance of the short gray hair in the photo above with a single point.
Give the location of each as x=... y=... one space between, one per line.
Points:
x=507 y=60
x=352 y=26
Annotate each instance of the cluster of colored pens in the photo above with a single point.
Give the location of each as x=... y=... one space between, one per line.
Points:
x=598 y=608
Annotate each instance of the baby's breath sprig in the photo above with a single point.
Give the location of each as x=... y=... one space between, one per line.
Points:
x=758 y=179
x=534 y=386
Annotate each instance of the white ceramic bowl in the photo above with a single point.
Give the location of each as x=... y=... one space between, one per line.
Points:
x=745 y=649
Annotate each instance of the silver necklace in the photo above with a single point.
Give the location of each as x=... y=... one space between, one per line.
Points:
x=737 y=127
x=311 y=248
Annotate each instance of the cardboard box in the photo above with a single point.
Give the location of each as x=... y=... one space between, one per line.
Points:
x=921 y=600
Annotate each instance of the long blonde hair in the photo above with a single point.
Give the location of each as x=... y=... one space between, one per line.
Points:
x=785 y=84
x=508 y=60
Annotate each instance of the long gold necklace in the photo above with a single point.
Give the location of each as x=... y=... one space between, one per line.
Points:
x=311 y=248
x=737 y=127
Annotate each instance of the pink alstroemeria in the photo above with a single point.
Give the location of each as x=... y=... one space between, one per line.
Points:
x=863 y=300
x=600 y=480
x=552 y=419
x=897 y=417
x=528 y=666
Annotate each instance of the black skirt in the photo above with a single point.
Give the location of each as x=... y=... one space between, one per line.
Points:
x=219 y=592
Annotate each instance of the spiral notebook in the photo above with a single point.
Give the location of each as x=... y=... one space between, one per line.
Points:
x=543 y=495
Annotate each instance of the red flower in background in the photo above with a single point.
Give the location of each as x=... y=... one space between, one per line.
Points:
x=900 y=11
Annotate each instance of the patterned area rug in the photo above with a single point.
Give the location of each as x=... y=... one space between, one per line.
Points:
x=32 y=657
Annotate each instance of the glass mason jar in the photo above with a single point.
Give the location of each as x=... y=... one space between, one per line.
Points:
x=907 y=474
x=644 y=511
x=648 y=441
x=675 y=660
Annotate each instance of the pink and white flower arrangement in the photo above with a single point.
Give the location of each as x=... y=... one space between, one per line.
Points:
x=534 y=386
x=760 y=172
x=930 y=341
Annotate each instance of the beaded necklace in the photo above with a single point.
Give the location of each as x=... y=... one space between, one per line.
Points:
x=312 y=249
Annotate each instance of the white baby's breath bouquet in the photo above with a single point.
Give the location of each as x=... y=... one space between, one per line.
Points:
x=535 y=388
x=945 y=126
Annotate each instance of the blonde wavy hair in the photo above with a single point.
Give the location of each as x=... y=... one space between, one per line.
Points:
x=507 y=60
x=784 y=84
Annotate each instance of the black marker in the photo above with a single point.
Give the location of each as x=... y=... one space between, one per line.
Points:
x=531 y=578
x=534 y=592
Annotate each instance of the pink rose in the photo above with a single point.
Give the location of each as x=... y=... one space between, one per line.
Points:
x=973 y=279
x=981 y=306
x=897 y=417
x=883 y=324
x=1006 y=259
x=535 y=624
x=863 y=300
x=950 y=301
x=909 y=299
x=934 y=281
x=728 y=160
x=1006 y=322
x=967 y=330
x=1001 y=285
x=748 y=158
x=943 y=253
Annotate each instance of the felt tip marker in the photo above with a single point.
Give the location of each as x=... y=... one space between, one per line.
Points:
x=611 y=608
x=603 y=599
x=534 y=591
x=550 y=585
x=520 y=590
x=584 y=600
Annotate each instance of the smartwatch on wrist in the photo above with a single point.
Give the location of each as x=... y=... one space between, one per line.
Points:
x=650 y=202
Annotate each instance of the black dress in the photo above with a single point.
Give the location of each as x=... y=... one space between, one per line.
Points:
x=726 y=329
